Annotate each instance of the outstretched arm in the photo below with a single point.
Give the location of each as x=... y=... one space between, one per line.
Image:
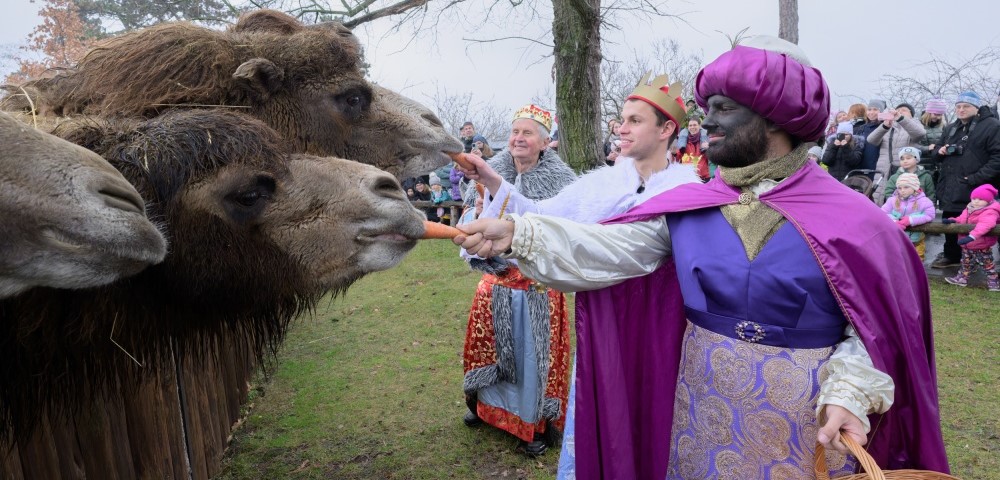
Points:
x=569 y=256
x=853 y=388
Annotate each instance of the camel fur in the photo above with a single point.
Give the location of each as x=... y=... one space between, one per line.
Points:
x=257 y=236
x=304 y=81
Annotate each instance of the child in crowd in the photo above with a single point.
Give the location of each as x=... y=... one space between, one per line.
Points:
x=909 y=206
x=815 y=153
x=977 y=247
x=439 y=195
x=909 y=162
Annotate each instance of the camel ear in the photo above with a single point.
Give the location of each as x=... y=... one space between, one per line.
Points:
x=260 y=76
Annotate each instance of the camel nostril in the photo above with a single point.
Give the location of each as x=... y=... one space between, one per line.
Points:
x=117 y=196
x=387 y=186
x=433 y=119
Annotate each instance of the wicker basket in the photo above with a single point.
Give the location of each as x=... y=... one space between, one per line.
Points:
x=868 y=464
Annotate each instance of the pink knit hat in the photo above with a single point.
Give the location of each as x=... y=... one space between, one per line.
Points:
x=908 y=180
x=985 y=193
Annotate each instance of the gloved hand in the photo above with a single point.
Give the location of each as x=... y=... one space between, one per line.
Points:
x=947 y=221
x=966 y=240
x=905 y=221
x=901 y=225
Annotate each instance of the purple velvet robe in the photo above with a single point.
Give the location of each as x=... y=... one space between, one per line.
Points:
x=629 y=335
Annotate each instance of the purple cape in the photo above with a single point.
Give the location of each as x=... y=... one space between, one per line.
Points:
x=629 y=335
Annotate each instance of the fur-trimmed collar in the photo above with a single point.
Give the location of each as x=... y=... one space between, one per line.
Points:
x=544 y=181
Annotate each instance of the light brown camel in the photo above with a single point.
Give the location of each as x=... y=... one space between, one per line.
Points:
x=257 y=235
x=70 y=220
x=305 y=81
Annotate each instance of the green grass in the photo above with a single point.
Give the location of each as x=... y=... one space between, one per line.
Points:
x=370 y=385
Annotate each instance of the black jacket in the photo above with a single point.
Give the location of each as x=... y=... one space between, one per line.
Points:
x=978 y=164
x=869 y=157
x=842 y=159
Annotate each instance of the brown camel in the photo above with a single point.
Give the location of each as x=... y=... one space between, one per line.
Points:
x=70 y=220
x=305 y=81
x=257 y=236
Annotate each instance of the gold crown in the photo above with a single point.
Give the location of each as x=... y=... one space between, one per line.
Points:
x=665 y=99
x=533 y=112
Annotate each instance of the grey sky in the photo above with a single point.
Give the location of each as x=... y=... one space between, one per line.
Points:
x=852 y=42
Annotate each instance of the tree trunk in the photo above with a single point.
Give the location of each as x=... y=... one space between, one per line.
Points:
x=788 y=20
x=576 y=31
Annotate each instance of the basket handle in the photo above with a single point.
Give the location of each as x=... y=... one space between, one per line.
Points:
x=859 y=452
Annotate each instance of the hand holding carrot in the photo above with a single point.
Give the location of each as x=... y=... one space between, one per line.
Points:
x=486 y=237
x=475 y=168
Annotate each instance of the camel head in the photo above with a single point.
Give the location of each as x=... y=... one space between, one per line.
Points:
x=70 y=219
x=304 y=81
x=248 y=222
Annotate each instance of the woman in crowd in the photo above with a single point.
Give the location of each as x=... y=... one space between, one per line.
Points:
x=843 y=151
x=934 y=122
x=899 y=129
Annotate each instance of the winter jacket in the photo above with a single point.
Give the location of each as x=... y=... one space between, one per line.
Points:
x=455 y=177
x=926 y=182
x=977 y=165
x=869 y=158
x=918 y=210
x=905 y=133
x=984 y=219
x=444 y=174
x=842 y=159
x=932 y=136
x=438 y=197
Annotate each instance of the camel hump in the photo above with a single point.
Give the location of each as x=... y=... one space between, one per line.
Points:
x=272 y=21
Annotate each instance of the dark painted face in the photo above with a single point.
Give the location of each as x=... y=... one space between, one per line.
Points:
x=737 y=136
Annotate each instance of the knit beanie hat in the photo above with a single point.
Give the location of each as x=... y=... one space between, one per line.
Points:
x=971 y=98
x=910 y=151
x=908 y=180
x=913 y=111
x=435 y=180
x=985 y=193
x=876 y=103
x=815 y=151
x=845 y=127
x=936 y=106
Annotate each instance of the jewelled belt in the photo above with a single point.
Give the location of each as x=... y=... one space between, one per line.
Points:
x=765 y=334
x=513 y=279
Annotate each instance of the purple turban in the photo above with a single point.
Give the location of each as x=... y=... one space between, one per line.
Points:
x=773 y=85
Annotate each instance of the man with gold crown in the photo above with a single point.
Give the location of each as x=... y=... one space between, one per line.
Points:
x=651 y=117
x=794 y=328
x=516 y=355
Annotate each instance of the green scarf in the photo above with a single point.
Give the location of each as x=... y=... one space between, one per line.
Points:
x=755 y=222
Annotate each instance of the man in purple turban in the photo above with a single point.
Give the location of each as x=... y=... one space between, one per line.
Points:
x=794 y=325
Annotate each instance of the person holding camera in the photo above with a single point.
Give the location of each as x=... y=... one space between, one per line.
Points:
x=843 y=151
x=970 y=157
x=898 y=129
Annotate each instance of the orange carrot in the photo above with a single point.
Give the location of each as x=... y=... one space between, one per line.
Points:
x=480 y=189
x=460 y=159
x=440 y=230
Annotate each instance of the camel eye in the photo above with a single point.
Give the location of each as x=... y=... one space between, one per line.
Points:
x=353 y=102
x=248 y=199
x=247 y=202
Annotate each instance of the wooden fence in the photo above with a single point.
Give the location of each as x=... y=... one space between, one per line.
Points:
x=176 y=426
x=454 y=207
